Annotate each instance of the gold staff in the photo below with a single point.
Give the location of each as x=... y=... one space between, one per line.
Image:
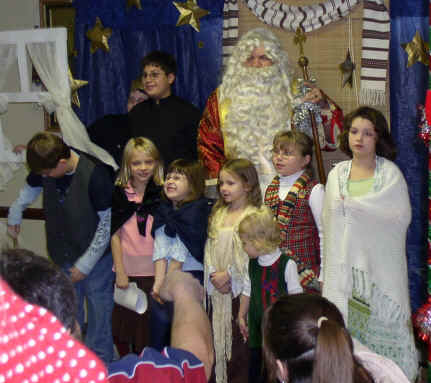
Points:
x=299 y=40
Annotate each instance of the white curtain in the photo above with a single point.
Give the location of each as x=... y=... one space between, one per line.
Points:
x=9 y=161
x=56 y=81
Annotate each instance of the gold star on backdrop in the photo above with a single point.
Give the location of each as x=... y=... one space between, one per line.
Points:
x=347 y=67
x=74 y=86
x=190 y=13
x=99 y=37
x=417 y=50
x=134 y=3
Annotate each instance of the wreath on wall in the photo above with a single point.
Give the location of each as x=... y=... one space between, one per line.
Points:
x=308 y=18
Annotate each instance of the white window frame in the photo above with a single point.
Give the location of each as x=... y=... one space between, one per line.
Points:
x=20 y=39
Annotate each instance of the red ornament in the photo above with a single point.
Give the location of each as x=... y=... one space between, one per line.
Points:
x=422 y=321
x=428 y=107
x=424 y=127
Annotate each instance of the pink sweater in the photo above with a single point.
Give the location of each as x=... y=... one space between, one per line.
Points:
x=137 y=250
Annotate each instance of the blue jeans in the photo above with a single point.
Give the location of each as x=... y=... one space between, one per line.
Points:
x=98 y=289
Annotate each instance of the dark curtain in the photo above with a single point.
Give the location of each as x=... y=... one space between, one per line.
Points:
x=408 y=87
x=134 y=34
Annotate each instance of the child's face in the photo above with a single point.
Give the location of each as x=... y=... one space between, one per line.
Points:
x=176 y=187
x=362 y=138
x=232 y=189
x=141 y=167
x=289 y=160
x=249 y=247
x=157 y=84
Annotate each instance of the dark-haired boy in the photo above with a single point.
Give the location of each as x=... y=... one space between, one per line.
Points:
x=167 y=120
x=77 y=194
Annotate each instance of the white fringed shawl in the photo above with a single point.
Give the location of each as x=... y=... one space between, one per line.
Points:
x=223 y=251
x=365 y=255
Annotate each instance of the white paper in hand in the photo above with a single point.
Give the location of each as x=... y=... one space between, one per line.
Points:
x=132 y=298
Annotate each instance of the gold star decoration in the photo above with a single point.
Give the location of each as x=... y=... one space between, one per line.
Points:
x=190 y=13
x=134 y=3
x=99 y=36
x=417 y=50
x=347 y=68
x=74 y=86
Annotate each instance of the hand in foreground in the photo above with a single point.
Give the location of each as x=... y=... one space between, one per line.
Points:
x=182 y=285
x=76 y=275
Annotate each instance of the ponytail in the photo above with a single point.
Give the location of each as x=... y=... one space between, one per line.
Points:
x=307 y=334
x=334 y=361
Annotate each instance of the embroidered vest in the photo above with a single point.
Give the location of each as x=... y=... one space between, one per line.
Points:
x=299 y=233
x=267 y=284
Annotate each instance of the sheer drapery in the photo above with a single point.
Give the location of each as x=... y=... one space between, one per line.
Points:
x=45 y=59
x=9 y=161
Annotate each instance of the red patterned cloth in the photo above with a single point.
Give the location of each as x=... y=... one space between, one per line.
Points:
x=35 y=347
x=210 y=138
x=299 y=234
x=332 y=121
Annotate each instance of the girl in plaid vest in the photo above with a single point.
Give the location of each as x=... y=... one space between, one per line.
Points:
x=270 y=274
x=296 y=200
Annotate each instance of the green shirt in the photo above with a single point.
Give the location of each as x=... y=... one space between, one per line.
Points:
x=360 y=187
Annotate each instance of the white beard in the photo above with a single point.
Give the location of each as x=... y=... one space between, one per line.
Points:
x=259 y=109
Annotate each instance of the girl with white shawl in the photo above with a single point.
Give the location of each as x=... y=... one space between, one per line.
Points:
x=226 y=265
x=365 y=218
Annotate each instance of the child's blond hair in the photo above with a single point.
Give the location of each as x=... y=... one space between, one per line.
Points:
x=261 y=229
x=146 y=146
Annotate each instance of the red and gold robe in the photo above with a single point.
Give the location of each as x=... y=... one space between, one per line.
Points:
x=210 y=141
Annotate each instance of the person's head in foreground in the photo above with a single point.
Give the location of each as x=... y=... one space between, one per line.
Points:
x=39 y=281
x=35 y=347
x=305 y=340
